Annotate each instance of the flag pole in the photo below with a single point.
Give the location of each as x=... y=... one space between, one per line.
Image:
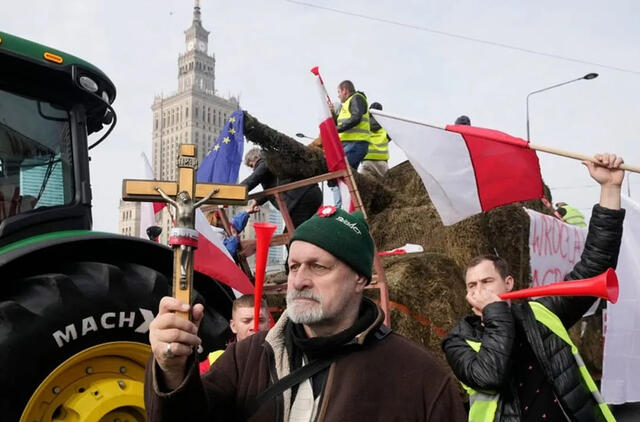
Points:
x=359 y=206
x=577 y=156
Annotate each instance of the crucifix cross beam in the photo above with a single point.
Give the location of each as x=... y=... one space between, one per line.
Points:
x=185 y=196
x=147 y=190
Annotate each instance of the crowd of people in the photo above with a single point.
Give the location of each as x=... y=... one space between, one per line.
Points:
x=329 y=357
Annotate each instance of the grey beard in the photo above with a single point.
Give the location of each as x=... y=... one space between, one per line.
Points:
x=306 y=316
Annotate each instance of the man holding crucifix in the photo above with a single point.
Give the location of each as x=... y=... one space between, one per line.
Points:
x=328 y=358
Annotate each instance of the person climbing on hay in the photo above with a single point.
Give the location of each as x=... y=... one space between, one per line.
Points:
x=517 y=361
x=301 y=203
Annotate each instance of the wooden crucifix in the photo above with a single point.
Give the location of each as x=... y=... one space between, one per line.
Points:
x=185 y=196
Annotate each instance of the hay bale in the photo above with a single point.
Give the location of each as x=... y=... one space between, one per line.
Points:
x=412 y=218
x=590 y=342
x=437 y=293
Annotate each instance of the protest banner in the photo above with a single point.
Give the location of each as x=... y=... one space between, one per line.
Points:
x=554 y=247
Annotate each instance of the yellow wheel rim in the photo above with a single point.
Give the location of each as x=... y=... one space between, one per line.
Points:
x=104 y=383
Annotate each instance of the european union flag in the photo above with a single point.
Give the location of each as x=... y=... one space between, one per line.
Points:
x=222 y=163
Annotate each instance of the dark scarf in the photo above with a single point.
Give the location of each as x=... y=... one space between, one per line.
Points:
x=298 y=343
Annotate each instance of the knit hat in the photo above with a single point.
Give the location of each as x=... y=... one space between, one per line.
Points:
x=345 y=236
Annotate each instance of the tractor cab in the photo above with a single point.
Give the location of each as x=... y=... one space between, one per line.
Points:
x=50 y=102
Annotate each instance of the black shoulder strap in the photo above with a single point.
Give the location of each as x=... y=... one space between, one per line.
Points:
x=300 y=375
x=288 y=381
x=382 y=332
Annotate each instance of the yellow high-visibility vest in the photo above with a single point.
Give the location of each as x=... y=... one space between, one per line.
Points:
x=573 y=216
x=378 y=146
x=361 y=131
x=484 y=404
x=213 y=356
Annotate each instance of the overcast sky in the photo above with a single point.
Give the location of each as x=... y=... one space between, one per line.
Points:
x=264 y=50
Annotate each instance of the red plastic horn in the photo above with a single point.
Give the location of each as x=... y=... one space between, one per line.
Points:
x=264 y=231
x=604 y=286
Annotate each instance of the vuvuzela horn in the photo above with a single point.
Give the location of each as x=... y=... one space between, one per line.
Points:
x=604 y=286
x=264 y=231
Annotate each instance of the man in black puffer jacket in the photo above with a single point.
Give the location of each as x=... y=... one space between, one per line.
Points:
x=517 y=362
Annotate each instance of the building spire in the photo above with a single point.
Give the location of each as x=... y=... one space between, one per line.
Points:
x=196 y=11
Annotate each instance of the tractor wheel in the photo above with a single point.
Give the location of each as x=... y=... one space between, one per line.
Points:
x=74 y=339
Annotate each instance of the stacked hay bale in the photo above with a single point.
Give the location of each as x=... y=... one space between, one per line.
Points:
x=430 y=284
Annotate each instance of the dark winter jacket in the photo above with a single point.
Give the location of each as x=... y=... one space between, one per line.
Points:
x=376 y=126
x=491 y=368
x=310 y=195
x=385 y=378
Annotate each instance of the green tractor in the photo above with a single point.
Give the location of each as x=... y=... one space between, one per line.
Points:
x=75 y=305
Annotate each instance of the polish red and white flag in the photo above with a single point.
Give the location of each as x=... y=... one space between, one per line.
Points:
x=333 y=151
x=213 y=259
x=465 y=169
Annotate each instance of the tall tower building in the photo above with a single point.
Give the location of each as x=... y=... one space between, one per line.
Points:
x=193 y=114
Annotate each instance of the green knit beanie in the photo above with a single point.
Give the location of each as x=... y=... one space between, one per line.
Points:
x=345 y=236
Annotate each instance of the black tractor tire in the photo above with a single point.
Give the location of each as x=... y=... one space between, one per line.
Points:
x=60 y=309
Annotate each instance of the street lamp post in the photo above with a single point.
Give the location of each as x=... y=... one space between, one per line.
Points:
x=302 y=135
x=586 y=77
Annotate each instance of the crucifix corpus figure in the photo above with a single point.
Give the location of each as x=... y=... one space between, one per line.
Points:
x=188 y=195
x=184 y=234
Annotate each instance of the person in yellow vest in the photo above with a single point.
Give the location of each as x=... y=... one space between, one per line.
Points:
x=375 y=163
x=516 y=360
x=353 y=123
x=570 y=215
x=241 y=324
x=353 y=127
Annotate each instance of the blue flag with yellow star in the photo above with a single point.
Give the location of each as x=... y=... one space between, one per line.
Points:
x=222 y=163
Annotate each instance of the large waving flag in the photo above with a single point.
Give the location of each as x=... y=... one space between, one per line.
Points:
x=466 y=169
x=222 y=163
x=333 y=151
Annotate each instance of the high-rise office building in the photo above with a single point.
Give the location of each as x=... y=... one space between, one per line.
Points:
x=194 y=114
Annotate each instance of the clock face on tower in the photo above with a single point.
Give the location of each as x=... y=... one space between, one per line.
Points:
x=190 y=45
x=202 y=46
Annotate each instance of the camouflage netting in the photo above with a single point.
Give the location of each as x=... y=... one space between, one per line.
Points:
x=430 y=284
x=286 y=157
